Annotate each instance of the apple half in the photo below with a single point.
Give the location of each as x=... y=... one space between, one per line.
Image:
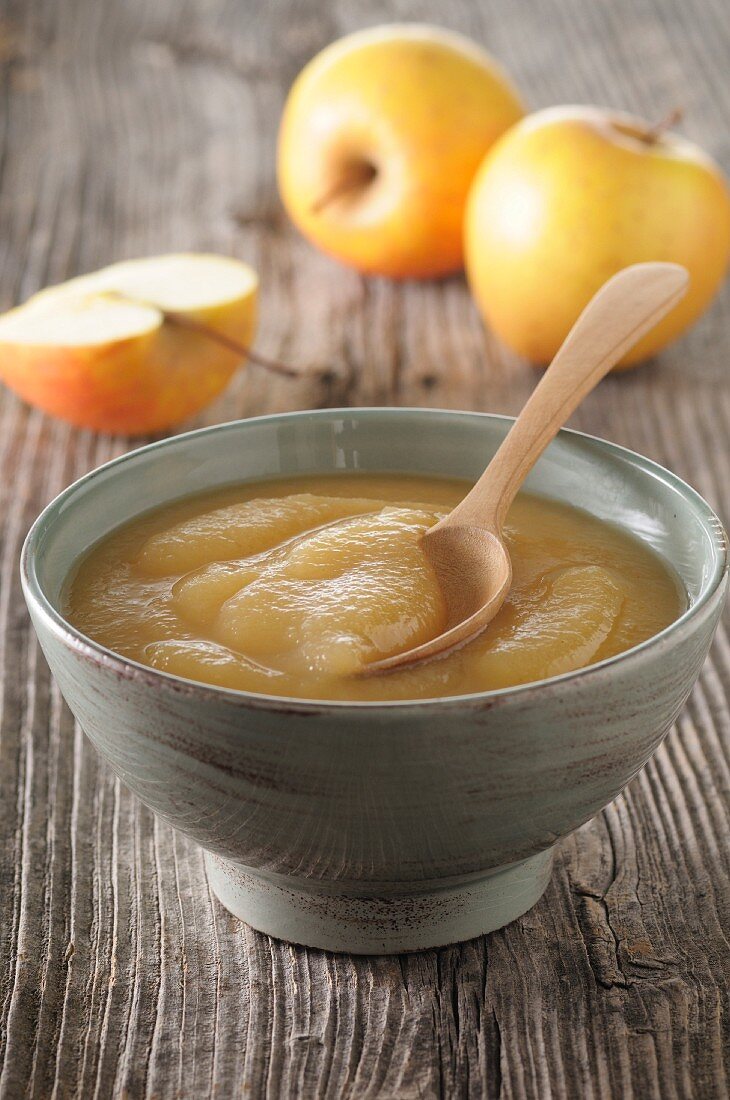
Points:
x=100 y=352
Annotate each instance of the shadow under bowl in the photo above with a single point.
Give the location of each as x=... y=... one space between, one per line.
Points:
x=378 y=827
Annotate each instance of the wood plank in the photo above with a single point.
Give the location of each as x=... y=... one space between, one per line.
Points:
x=129 y=128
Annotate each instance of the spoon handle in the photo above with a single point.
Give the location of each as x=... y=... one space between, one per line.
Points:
x=622 y=311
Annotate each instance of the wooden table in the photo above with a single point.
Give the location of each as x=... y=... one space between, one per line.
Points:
x=131 y=127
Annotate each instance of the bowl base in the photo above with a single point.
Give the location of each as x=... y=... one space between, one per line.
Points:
x=370 y=923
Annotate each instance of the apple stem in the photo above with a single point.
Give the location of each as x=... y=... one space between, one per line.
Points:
x=654 y=133
x=180 y=320
x=355 y=176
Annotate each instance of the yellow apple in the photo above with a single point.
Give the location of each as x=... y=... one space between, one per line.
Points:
x=571 y=195
x=381 y=136
x=99 y=352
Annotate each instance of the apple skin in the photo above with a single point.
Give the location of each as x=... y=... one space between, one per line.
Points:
x=570 y=196
x=419 y=106
x=136 y=385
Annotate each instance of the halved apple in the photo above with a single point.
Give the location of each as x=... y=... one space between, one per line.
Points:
x=99 y=351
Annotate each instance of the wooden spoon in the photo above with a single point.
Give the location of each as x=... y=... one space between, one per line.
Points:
x=466 y=548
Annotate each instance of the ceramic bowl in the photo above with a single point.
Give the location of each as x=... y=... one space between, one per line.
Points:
x=369 y=827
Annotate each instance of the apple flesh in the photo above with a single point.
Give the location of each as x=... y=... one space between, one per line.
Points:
x=97 y=351
x=380 y=138
x=571 y=195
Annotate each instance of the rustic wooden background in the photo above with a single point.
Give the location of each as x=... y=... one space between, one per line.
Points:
x=130 y=127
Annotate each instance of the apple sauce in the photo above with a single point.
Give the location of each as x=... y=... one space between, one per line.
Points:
x=291 y=587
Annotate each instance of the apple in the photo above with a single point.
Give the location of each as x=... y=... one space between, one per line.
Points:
x=132 y=348
x=381 y=135
x=571 y=195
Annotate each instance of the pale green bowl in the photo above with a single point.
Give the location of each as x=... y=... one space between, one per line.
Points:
x=373 y=827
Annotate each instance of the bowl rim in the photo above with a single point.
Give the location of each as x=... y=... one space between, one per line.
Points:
x=128 y=668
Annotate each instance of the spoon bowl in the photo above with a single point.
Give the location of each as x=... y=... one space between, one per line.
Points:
x=466 y=549
x=474 y=572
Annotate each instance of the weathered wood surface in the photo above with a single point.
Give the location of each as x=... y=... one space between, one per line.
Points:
x=129 y=127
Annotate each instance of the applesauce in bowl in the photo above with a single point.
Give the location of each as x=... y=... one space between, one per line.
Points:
x=292 y=586
x=370 y=824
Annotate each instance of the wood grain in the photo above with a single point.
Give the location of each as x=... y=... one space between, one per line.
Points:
x=129 y=128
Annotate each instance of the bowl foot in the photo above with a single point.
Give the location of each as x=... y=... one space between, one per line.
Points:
x=369 y=923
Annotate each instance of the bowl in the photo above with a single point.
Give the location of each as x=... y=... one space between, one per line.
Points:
x=378 y=827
